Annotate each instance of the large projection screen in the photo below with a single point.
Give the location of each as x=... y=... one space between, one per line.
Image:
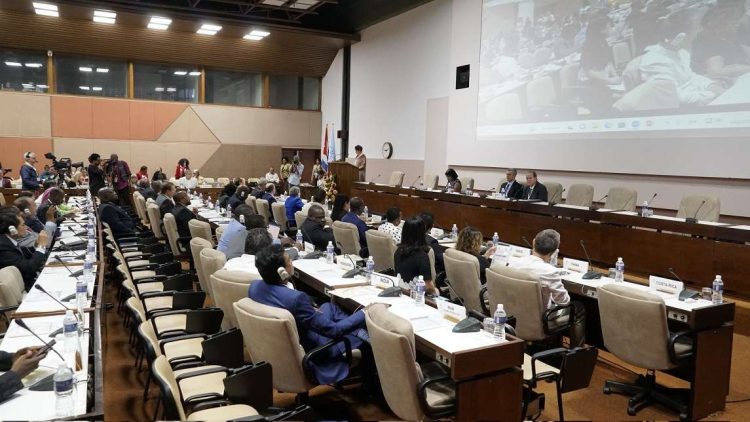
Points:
x=645 y=86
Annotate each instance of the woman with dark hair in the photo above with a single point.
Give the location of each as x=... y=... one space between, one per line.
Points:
x=470 y=241
x=453 y=185
x=239 y=197
x=183 y=166
x=411 y=258
x=228 y=191
x=340 y=207
x=597 y=68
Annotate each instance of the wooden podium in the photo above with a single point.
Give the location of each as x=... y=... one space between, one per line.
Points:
x=346 y=175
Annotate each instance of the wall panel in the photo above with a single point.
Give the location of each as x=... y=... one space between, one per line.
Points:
x=24 y=115
x=12 y=150
x=111 y=119
x=72 y=117
x=241 y=161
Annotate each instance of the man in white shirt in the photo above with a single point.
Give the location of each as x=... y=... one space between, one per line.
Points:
x=272 y=176
x=392 y=224
x=187 y=181
x=545 y=247
x=295 y=175
x=318 y=198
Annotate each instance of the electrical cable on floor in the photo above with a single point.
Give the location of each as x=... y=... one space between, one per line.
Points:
x=738 y=401
x=617 y=365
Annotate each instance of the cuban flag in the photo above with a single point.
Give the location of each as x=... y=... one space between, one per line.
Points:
x=324 y=152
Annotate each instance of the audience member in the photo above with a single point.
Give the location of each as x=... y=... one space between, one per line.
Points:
x=111 y=213
x=17 y=366
x=317 y=173
x=411 y=258
x=164 y=200
x=268 y=194
x=340 y=207
x=142 y=173
x=144 y=188
x=12 y=228
x=292 y=205
x=470 y=241
x=226 y=194
x=182 y=214
x=433 y=243
x=534 y=190
x=510 y=188
x=187 y=181
x=272 y=176
x=119 y=172
x=284 y=169
x=392 y=224
x=355 y=216
x=453 y=184
x=239 y=197
x=55 y=198
x=318 y=198
x=182 y=169
x=232 y=242
x=314 y=229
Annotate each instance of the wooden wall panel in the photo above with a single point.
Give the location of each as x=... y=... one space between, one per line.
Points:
x=72 y=117
x=142 y=121
x=188 y=128
x=241 y=161
x=111 y=119
x=24 y=115
x=12 y=150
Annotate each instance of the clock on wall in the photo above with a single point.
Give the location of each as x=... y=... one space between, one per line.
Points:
x=387 y=150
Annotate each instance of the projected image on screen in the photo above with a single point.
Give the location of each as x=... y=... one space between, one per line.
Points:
x=563 y=66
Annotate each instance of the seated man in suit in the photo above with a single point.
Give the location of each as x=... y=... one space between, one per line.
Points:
x=268 y=194
x=144 y=188
x=112 y=213
x=164 y=200
x=534 y=190
x=259 y=189
x=27 y=207
x=314 y=229
x=315 y=327
x=355 y=216
x=544 y=249
x=182 y=213
x=511 y=189
x=12 y=228
x=232 y=242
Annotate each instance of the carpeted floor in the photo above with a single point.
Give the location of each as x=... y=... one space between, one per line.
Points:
x=123 y=389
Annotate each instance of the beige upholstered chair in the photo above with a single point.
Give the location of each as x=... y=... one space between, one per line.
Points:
x=223 y=181
x=701 y=207
x=381 y=247
x=219 y=232
x=270 y=335
x=635 y=329
x=229 y=287
x=392 y=340
x=467 y=183
x=209 y=180
x=580 y=195
x=197 y=244
x=299 y=218
x=171 y=391
x=430 y=181
x=200 y=229
x=250 y=200
x=554 y=192
x=140 y=208
x=263 y=209
x=462 y=272
x=154 y=217
x=621 y=199
x=11 y=289
x=396 y=179
x=179 y=249
x=347 y=237
x=279 y=215
x=211 y=261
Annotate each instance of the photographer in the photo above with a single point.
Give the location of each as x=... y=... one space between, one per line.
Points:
x=96 y=173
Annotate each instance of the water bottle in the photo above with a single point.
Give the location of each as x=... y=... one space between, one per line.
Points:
x=370 y=269
x=217 y=208
x=70 y=330
x=229 y=211
x=367 y=212
x=499 y=331
x=495 y=239
x=454 y=232
x=90 y=228
x=91 y=250
x=63 y=381
x=619 y=271
x=299 y=238
x=82 y=291
x=644 y=209
x=190 y=195
x=200 y=197
x=419 y=291
x=329 y=253
x=208 y=202
x=717 y=296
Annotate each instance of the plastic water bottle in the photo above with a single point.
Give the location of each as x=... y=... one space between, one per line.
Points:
x=644 y=209
x=419 y=291
x=495 y=239
x=329 y=253
x=367 y=212
x=91 y=250
x=454 y=232
x=208 y=202
x=63 y=380
x=70 y=330
x=229 y=211
x=499 y=331
x=370 y=269
x=217 y=208
x=200 y=197
x=619 y=271
x=90 y=228
x=82 y=291
x=717 y=296
x=299 y=238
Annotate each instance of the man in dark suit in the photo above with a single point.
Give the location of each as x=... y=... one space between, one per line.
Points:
x=511 y=189
x=12 y=227
x=182 y=213
x=314 y=230
x=17 y=365
x=111 y=213
x=534 y=190
x=354 y=216
x=437 y=248
x=144 y=188
x=315 y=327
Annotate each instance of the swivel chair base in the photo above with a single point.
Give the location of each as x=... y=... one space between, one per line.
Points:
x=645 y=392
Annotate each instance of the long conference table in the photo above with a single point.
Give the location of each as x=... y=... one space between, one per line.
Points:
x=44 y=316
x=649 y=246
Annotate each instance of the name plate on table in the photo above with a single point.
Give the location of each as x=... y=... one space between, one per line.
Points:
x=575 y=265
x=437 y=233
x=519 y=251
x=309 y=247
x=665 y=285
x=376 y=219
x=451 y=311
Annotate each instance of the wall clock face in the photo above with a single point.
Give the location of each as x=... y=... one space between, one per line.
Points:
x=387 y=150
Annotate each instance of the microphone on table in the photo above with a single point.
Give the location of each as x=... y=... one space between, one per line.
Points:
x=374 y=179
x=552 y=204
x=590 y=274
x=593 y=208
x=685 y=293
x=652 y=199
x=694 y=218
x=43 y=290
x=415 y=182
x=526 y=241
x=354 y=271
x=74 y=232
x=468 y=324
x=21 y=323
x=393 y=291
x=72 y=274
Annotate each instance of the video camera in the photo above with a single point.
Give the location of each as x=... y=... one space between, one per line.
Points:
x=62 y=164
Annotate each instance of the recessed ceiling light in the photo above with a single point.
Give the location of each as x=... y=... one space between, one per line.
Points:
x=195 y=73
x=158 y=22
x=105 y=16
x=171 y=89
x=33 y=65
x=97 y=88
x=252 y=37
x=180 y=72
x=259 y=33
x=102 y=70
x=85 y=69
x=13 y=64
x=209 y=29
x=42 y=86
x=84 y=88
x=159 y=89
x=46 y=9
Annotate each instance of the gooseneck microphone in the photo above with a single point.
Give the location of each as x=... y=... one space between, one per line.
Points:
x=72 y=274
x=694 y=218
x=374 y=179
x=41 y=289
x=590 y=274
x=526 y=241
x=355 y=269
x=671 y=271
x=593 y=208
x=553 y=203
x=415 y=182
x=652 y=199
x=21 y=323
x=685 y=293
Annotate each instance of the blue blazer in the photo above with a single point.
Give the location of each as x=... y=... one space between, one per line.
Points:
x=29 y=178
x=292 y=205
x=315 y=327
x=350 y=217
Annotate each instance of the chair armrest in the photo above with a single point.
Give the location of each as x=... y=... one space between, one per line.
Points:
x=673 y=342
x=138 y=258
x=204 y=398
x=179 y=338
x=150 y=279
x=149 y=295
x=545 y=375
x=306 y=361
x=201 y=372
x=144 y=267
x=482 y=302
x=422 y=394
x=548 y=313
